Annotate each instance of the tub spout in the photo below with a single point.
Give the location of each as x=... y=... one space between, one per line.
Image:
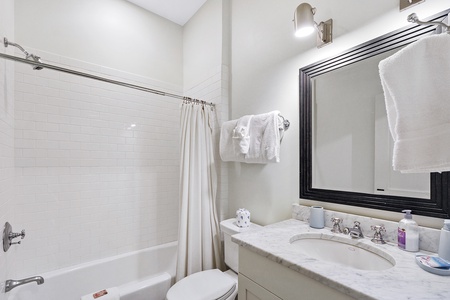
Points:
x=11 y=283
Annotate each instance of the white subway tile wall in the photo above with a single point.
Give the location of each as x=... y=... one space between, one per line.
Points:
x=96 y=166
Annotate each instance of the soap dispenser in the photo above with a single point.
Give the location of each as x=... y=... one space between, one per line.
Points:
x=408 y=233
x=444 y=241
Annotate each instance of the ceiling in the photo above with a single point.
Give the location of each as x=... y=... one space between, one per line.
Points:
x=177 y=11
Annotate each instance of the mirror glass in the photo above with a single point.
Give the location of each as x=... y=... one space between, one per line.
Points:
x=345 y=143
x=351 y=135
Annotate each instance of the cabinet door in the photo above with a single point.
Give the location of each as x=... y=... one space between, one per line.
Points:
x=249 y=290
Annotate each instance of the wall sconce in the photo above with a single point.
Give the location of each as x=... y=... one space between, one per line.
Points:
x=304 y=25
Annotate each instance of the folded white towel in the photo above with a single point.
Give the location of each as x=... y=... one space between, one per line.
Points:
x=241 y=137
x=265 y=135
x=106 y=294
x=416 y=85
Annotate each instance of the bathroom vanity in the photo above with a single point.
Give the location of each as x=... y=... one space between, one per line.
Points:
x=272 y=266
x=261 y=278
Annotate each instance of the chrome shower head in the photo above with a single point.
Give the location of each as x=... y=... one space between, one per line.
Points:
x=36 y=59
x=33 y=57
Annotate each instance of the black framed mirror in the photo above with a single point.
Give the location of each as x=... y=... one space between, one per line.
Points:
x=436 y=204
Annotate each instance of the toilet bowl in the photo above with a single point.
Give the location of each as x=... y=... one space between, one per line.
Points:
x=214 y=284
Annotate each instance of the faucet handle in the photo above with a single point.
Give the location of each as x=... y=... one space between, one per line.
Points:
x=378 y=237
x=13 y=235
x=336 y=227
x=378 y=228
x=8 y=236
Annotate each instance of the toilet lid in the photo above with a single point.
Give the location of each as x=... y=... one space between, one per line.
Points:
x=205 y=285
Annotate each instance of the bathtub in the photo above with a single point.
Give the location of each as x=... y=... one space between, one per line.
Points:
x=141 y=275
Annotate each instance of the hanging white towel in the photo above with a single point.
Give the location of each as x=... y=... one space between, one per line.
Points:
x=265 y=136
x=106 y=294
x=265 y=132
x=241 y=137
x=416 y=85
x=227 y=148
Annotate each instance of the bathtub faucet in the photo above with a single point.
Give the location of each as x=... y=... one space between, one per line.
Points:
x=10 y=284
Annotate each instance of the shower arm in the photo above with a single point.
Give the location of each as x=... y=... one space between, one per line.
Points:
x=27 y=54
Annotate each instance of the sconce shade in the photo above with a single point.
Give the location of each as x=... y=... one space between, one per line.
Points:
x=304 y=20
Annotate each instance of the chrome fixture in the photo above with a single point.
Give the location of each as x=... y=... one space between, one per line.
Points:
x=11 y=283
x=41 y=65
x=405 y=4
x=8 y=236
x=28 y=56
x=354 y=232
x=286 y=123
x=336 y=225
x=413 y=18
x=305 y=25
x=378 y=237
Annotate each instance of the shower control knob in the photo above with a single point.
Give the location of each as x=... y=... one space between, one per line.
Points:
x=9 y=235
x=13 y=235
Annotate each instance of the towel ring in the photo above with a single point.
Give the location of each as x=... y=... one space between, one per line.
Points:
x=286 y=123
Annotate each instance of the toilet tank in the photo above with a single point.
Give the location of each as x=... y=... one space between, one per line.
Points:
x=231 y=249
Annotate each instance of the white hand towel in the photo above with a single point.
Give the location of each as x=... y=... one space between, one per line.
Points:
x=416 y=85
x=106 y=294
x=227 y=148
x=264 y=138
x=241 y=137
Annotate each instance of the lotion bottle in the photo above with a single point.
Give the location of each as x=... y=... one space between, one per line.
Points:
x=444 y=241
x=408 y=233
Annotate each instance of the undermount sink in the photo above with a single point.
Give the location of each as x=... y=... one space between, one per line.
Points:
x=343 y=251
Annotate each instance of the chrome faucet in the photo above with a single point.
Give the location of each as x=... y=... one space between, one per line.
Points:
x=11 y=283
x=355 y=232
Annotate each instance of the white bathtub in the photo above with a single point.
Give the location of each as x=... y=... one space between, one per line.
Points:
x=142 y=275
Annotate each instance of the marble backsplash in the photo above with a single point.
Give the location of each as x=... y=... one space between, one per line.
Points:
x=429 y=237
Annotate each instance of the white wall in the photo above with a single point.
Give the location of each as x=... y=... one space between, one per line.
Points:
x=6 y=136
x=266 y=58
x=96 y=165
x=202 y=45
x=112 y=33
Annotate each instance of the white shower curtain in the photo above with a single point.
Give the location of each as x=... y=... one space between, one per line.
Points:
x=199 y=244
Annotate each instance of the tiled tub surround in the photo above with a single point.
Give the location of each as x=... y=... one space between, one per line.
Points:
x=429 y=237
x=96 y=166
x=405 y=280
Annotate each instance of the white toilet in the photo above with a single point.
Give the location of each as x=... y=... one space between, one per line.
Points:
x=214 y=284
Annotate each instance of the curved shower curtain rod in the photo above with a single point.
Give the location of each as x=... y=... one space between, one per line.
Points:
x=39 y=65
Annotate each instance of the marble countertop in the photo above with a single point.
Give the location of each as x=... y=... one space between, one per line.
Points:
x=406 y=280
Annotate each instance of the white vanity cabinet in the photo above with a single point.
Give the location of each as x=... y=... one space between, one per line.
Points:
x=250 y=290
x=263 y=279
